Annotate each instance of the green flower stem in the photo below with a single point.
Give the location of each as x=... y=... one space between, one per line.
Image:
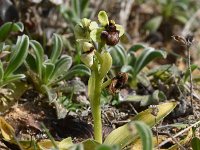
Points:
x=96 y=107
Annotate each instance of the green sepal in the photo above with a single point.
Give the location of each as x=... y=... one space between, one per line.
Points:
x=103 y=18
x=120 y=29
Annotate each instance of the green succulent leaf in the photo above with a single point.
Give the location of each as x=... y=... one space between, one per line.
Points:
x=18 y=55
x=122 y=135
x=78 y=70
x=13 y=78
x=57 y=48
x=119 y=55
x=187 y=73
x=39 y=55
x=153 y=24
x=147 y=56
x=8 y=27
x=126 y=68
x=61 y=67
x=145 y=134
x=195 y=143
x=47 y=71
x=136 y=47
x=103 y=18
x=76 y=7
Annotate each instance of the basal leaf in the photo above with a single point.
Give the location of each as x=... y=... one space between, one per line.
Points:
x=19 y=54
x=147 y=56
x=8 y=27
x=187 y=73
x=122 y=135
x=153 y=24
x=39 y=55
x=47 y=70
x=7 y=130
x=145 y=134
x=195 y=143
x=57 y=48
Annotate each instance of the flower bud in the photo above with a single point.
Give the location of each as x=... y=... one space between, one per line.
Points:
x=87 y=58
x=87 y=47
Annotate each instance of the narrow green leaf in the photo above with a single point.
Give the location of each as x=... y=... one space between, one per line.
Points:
x=153 y=24
x=119 y=55
x=187 y=73
x=61 y=67
x=103 y=18
x=84 y=7
x=79 y=69
x=195 y=143
x=39 y=55
x=145 y=134
x=122 y=135
x=76 y=7
x=8 y=27
x=13 y=78
x=147 y=56
x=1 y=71
x=57 y=48
x=47 y=71
x=18 y=55
x=136 y=47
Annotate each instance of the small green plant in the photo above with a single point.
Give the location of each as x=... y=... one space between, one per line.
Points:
x=94 y=40
x=46 y=73
x=171 y=11
x=97 y=58
x=127 y=61
x=75 y=10
x=13 y=54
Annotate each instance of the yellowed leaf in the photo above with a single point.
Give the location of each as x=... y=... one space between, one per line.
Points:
x=7 y=130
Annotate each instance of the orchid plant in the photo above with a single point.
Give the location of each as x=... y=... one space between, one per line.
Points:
x=94 y=39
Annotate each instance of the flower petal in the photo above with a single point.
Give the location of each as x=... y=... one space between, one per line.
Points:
x=120 y=29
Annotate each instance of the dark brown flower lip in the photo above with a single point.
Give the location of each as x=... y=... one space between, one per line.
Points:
x=118 y=82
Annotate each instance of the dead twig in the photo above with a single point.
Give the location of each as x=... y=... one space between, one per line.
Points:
x=178 y=134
